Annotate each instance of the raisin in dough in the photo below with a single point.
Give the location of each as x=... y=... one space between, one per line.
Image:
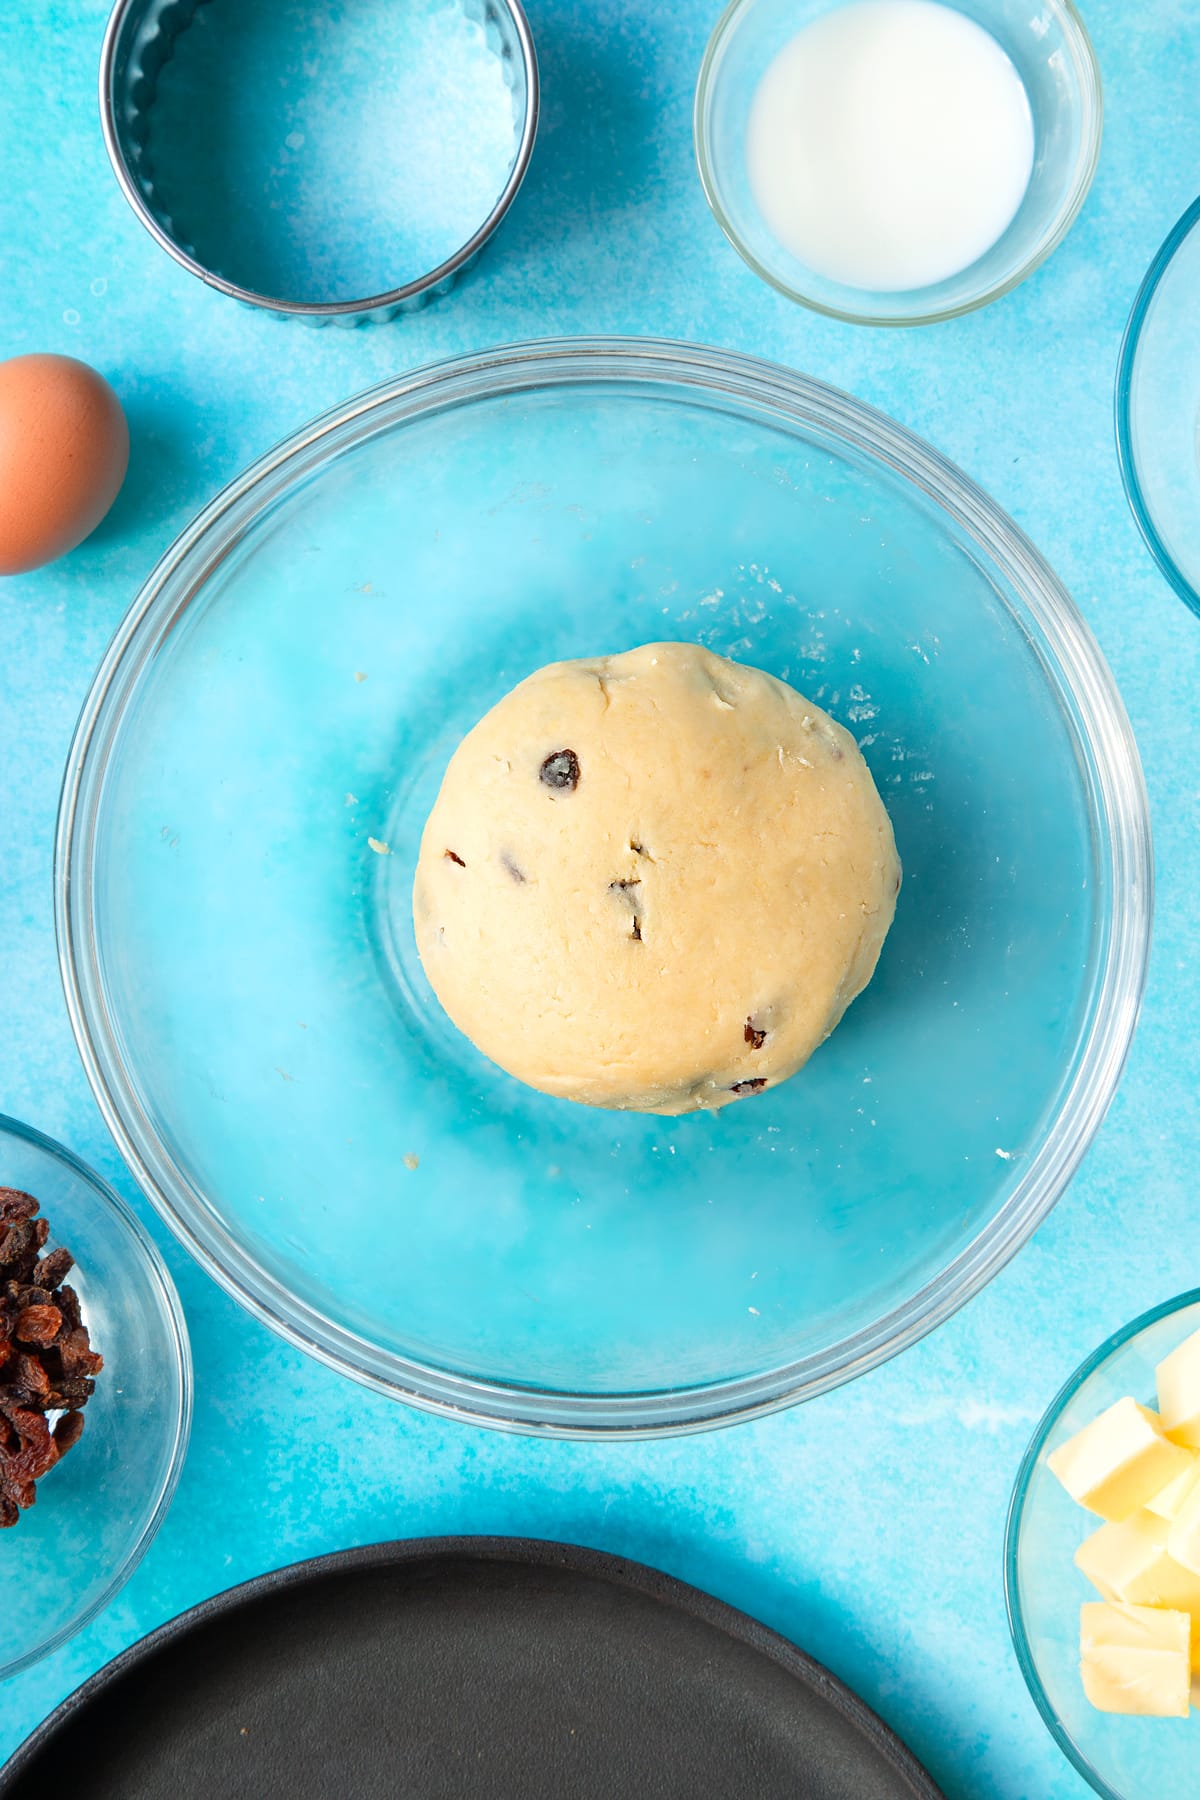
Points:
x=653 y=881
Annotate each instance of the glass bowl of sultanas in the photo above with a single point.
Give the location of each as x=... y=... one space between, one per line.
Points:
x=95 y=1394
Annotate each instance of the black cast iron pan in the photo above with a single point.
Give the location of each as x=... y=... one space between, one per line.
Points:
x=464 y=1669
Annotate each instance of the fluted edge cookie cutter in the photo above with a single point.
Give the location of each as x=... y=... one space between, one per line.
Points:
x=138 y=42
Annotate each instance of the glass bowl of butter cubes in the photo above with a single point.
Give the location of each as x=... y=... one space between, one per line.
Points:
x=1102 y=1563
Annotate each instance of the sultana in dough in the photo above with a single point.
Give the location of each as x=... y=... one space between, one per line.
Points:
x=653 y=881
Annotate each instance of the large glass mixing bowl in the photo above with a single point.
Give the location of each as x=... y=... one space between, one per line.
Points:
x=239 y=961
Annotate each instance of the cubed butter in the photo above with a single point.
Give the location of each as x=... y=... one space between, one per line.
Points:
x=1179 y=1392
x=1119 y=1461
x=1168 y=1503
x=1183 y=1541
x=1136 y=1659
x=1130 y=1561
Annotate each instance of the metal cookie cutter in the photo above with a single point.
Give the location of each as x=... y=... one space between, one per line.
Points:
x=141 y=39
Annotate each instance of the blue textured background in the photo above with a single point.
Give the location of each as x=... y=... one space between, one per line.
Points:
x=867 y=1525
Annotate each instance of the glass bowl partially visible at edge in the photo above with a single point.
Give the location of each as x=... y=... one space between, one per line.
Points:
x=96 y=1511
x=1158 y=408
x=1123 y=1758
x=238 y=960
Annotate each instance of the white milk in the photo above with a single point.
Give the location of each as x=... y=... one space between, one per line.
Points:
x=890 y=143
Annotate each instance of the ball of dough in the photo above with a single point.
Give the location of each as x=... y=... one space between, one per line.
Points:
x=653 y=881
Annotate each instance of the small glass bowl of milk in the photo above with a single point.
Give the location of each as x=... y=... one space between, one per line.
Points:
x=893 y=162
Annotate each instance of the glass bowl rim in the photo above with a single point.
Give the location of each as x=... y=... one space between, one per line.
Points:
x=1016 y=1514
x=1117 y=799
x=410 y=293
x=1091 y=89
x=1160 y=263
x=172 y=1312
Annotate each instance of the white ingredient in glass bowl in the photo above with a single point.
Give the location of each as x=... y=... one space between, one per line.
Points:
x=890 y=144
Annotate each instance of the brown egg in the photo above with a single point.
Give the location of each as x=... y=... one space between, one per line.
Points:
x=64 y=448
